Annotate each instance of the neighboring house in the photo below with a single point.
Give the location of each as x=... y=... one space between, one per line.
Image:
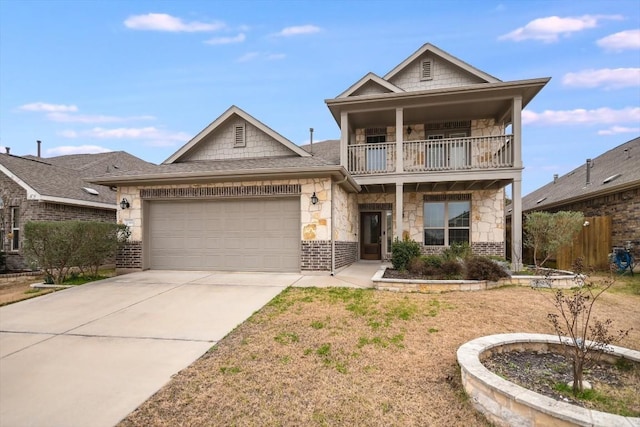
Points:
x=55 y=189
x=608 y=185
x=425 y=152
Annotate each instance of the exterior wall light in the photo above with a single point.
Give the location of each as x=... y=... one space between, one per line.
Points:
x=409 y=130
x=124 y=204
x=314 y=199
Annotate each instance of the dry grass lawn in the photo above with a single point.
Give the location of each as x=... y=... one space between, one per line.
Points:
x=318 y=357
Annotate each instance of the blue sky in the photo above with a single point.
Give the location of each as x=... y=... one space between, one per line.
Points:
x=146 y=76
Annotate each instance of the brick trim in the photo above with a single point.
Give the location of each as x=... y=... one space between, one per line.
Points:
x=375 y=206
x=236 y=191
x=130 y=255
x=315 y=255
x=346 y=253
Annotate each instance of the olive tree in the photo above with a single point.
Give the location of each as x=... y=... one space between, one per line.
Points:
x=547 y=232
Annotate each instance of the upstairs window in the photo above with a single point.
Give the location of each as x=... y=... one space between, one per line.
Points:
x=239 y=136
x=426 y=70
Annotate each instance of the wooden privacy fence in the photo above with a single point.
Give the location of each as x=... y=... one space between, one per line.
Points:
x=593 y=244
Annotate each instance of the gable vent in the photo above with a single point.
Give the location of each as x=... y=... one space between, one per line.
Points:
x=426 y=70
x=239 y=140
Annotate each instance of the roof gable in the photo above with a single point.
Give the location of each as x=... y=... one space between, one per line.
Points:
x=437 y=52
x=218 y=140
x=370 y=84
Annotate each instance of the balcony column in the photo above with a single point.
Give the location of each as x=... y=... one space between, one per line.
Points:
x=344 y=139
x=399 y=211
x=516 y=124
x=516 y=225
x=399 y=141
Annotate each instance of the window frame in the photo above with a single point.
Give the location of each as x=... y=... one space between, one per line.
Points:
x=446 y=227
x=15 y=229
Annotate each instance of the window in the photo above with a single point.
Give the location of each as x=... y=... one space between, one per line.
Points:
x=447 y=154
x=239 y=136
x=15 y=229
x=426 y=70
x=446 y=222
x=436 y=152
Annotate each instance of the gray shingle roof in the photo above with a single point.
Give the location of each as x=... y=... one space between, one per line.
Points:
x=623 y=160
x=328 y=150
x=65 y=176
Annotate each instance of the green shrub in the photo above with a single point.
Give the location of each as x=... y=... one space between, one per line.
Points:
x=402 y=252
x=433 y=260
x=457 y=250
x=481 y=268
x=57 y=246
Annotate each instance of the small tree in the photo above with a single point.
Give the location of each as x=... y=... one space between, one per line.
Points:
x=547 y=232
x=584 y=338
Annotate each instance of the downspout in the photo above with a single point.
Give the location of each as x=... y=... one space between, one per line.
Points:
x=333 y=216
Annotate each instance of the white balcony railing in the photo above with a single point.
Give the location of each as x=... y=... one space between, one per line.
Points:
x=372 y=158
x=485 y=152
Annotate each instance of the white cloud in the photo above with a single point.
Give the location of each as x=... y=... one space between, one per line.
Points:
x=606 y=77
x=77 y=149
x=615 y=130
x=87 y=118
x=248 y=56
x=550 y=28
x=165 y=22
x=298 y=30
x=49 y=108
x=624 y=40
x=226 y=40
x=582 y=116
x=152 y=135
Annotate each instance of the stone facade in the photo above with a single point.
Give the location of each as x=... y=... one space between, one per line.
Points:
x=444 y=75
x=220 y=145
x=33 y=210
x=315 y=220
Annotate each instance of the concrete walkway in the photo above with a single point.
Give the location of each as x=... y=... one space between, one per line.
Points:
x=89 y=355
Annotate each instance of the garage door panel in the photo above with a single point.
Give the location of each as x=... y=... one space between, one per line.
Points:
x=240 y=235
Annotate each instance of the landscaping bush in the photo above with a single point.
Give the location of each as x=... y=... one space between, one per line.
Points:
x=402 y=252
x=57 y=246
x=451 y=269
x=481 y=268
x=457 y=250
x=417 y=266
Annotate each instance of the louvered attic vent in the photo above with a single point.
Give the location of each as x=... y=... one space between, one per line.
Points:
x=240 y=140
x=426 y=70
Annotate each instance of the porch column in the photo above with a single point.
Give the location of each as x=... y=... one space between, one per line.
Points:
x=399 y=211
x=399 y=142
x=516 y=225
x=516 y=125
x=344 y=139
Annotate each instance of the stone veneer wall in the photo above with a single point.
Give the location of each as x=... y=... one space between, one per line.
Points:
x=315 y=219
x=623 y=208
x=220 y=145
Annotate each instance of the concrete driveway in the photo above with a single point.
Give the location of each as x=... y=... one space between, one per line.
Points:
x=90 y=355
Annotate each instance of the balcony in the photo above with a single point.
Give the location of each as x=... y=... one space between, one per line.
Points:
x=434 y=155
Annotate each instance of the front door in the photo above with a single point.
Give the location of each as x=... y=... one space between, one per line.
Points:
x=370 y=235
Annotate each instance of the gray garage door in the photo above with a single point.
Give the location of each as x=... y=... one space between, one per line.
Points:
x=232 y=235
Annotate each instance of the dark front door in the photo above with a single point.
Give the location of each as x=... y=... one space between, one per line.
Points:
x=370 y=235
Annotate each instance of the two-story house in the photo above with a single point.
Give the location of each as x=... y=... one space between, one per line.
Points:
x=425 y=152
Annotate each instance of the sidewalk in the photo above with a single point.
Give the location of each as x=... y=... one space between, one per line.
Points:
x=357 y=275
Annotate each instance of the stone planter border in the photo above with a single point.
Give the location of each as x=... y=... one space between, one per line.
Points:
x=414 y=285
x=507 y=404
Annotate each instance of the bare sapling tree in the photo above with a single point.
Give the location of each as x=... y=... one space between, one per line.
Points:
x=547 y=232
x=584 y=337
